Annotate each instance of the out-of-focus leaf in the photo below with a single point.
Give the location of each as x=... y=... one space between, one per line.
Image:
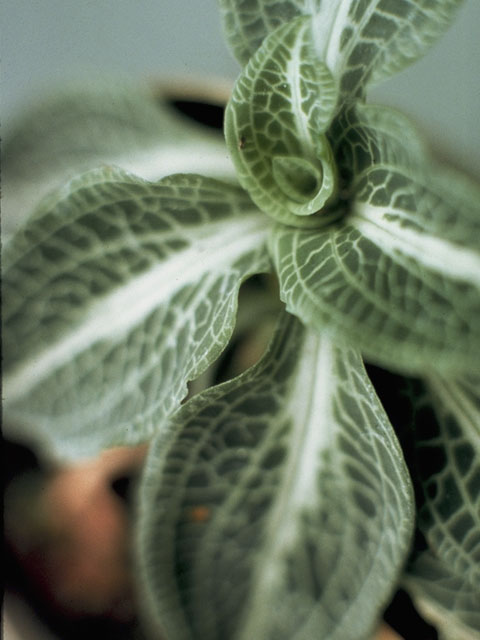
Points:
x=448 y=600
x=448 y=464
x=85 y=127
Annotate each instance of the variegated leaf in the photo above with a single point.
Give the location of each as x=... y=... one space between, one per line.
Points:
x=448 y=464
x=448 y=600
x=116 y=293
x=363 y=135
x=359 y=40
x=248 y=22
x=278 y=506
x=84 y=127
x=400 y=277
x=275 y=127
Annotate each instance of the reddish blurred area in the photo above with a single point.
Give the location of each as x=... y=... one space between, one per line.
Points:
x=68 y=537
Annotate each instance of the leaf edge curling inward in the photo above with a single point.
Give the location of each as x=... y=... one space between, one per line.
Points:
x=226 y=515
x=275 y=124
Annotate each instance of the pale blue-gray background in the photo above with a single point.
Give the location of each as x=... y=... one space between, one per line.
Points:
x=45 y=41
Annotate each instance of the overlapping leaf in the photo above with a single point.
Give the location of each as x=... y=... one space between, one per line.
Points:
x=448 y=463
x=438 y=424
x=366 y=42
x=247 y=23
x=268 y=490
x=359 y=41
x=88 y=126
x=447 y=599
x=116 y=293
x=275 y=128
x=400 y=275
x=364 y=135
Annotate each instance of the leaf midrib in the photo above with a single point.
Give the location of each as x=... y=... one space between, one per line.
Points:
x=314 y=362
x=107 y=319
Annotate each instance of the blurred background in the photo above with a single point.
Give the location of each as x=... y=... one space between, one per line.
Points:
x=47 y=41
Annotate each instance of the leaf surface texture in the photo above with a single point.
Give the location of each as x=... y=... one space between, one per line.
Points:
x=84 y=127
x=400 y=275
x=359 y=40
x=119 y=291
x=278 y=505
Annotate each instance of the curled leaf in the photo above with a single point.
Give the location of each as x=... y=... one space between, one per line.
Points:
x=401 y=278
x=275 y=128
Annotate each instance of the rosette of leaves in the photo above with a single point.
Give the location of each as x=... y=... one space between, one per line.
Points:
x=278 y=504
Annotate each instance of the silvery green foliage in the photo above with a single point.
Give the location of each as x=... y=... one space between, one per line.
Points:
x=438 y=421
x=277 y=140
x=117 y=293
x=276 y=479
x=445 y=598
x=398 y=277
x=447 y=452
x=276 y=505
x=360 y=41
x=106 y=123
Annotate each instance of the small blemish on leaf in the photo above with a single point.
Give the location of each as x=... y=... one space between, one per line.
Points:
x=199 y=514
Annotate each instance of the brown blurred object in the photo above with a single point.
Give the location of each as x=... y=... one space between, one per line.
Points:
x=71 y=534
x=386 y=633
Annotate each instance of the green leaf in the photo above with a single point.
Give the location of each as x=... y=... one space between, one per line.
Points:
x=247 y=23
x=360 y=40
x=448 y=600
x=278 y=506
x=117 y=292
x=400 y=278
x=363 y=135
x=274 y=126
x=84 y=127
x=369 y=41
x=438 y=424
x=448 y=463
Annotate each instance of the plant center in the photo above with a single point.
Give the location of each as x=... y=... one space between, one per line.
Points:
x=297 y=178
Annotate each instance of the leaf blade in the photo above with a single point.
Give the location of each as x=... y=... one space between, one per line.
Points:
x=447 y=462
x=448 y=600
x=252 y=502
x=364 y=135
x=400 y=277
x=361 y=42
x=246 y=26
x=370 y=41
x=83 y=127
x=275 y=121
x=114 y=286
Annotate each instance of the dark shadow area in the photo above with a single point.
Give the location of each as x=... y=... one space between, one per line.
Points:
x=206 y=114
x=402 y=616
x=23 y=572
